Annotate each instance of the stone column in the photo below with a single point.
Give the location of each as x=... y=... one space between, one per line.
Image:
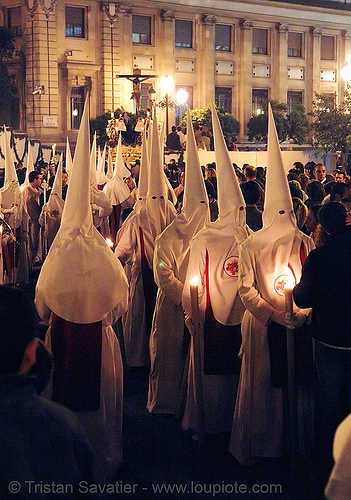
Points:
x=313 y=66
x=110 y=55
x=244 y=91
x=165 y=61
x=280 y=64
x=124 y=87
x=43 y=70
x=206 y=60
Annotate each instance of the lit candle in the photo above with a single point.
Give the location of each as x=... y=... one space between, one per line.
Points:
x=194 y=299
x=53 y=150
x=109 y=242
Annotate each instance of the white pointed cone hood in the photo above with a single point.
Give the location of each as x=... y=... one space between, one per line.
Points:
x=116 y=189
x=144 y=167
x=10 y=170
x=81 y=280
x=194 y=187
x=55 y=203
x=156 y=185
x=68 y=158
x=57 y=186
x=231 y=202
x=101 y=176
x=175 y=239
x=93 y=152
x=278 y=207
x=29 y=166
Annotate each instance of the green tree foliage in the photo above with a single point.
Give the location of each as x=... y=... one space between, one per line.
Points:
x=298 y=124
x=257 y=126
x=332 y=122
x=202 y=117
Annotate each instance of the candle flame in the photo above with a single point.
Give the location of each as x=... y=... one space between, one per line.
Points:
x=1 y=229
x=290 y=283
x=109 y=242
x=194 y=281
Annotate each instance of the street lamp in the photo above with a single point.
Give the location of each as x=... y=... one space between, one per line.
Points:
x=167 y=86
x=181 y=98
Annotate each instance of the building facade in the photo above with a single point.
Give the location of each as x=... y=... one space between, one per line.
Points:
x=239 y=54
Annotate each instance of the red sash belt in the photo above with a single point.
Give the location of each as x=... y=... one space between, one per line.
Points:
x=76 y=350
x=221 y=342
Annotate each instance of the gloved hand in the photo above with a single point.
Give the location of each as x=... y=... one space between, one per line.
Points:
x=294 y=321
x=291 y=321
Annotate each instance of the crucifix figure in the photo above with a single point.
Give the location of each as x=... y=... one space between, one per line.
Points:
x=136 y=78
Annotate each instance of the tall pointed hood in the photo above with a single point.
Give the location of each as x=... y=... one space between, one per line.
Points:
x=116 y=189
x=195 y=196
x=101 y=176
x=29 y=166
x=68 y=158
x=230 y=198
x=278 y=207
x=93 y=153
x=174 y=241
x=57 y=186
x=156 y=185
x=81 y=280
x=144 y=167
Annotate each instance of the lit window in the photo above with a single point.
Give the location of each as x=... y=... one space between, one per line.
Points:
x=259 y=101
x=75 y=22
x=184 y=34
x=141 y=29
x=328 y=48
x=223 y=37
x=76 y=105
x=294 y=97
x=259 y=41
x=294 y=44
x=223 y=98
x=14 y=20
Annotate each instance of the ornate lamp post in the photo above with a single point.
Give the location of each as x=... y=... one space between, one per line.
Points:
x=167 y=86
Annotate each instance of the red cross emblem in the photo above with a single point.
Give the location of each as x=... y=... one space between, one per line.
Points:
x=280 y=283
x=231 y=266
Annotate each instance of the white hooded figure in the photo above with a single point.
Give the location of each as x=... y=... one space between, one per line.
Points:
x=117 y=193
x=214 y=255
x=168 y=341
x=136 y=245
x=51 y=213
x=269 y=260
x=29 y=167
x=83 y=290
x=100 y=204
x=12 y=207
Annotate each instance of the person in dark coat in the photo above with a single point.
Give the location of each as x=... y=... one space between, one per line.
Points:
x=325 y=286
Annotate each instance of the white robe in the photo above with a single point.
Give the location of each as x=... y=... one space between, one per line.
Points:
x=258 y=418
x=219 y=391
x=103 y=427
x=128 y=250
